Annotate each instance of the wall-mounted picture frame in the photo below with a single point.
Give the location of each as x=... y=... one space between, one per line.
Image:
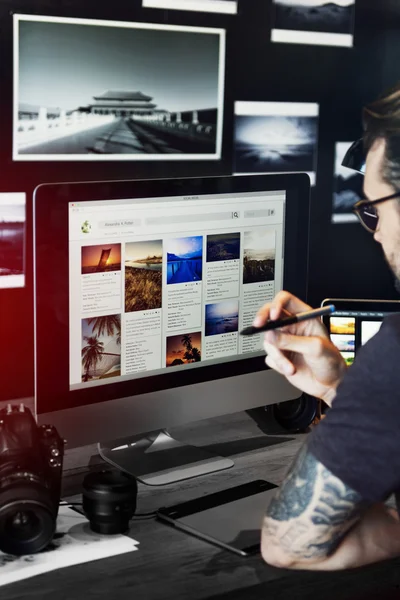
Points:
x=348 y=188
x=211 y=6
x=276 y=137
x=314 y=22
x=95 y=90
x=12 y=239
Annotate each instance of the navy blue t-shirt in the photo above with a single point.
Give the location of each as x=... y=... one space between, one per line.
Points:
x=359 y=439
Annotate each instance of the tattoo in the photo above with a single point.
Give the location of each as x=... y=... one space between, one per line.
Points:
x=312 y=511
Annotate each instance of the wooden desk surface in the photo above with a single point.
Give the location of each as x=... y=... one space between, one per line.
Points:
x=171 y=564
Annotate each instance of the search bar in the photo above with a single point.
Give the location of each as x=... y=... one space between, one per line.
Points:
x=173 y=220
x=256 y=214
x=118 y=223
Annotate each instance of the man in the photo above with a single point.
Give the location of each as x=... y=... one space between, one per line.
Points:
x=329 y=513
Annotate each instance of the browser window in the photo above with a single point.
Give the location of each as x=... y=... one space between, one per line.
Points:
x=162 y=284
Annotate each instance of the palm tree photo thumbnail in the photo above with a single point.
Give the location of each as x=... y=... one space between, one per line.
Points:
x=183 y=349
x=101 y=347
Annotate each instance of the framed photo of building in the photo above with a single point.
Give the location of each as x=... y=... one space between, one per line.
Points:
x=96 y=90
x=348 y=188
x=215 y=6
x=314 y=22
x=276 y=137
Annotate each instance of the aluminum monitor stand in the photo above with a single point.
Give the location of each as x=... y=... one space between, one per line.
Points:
x=158 y=459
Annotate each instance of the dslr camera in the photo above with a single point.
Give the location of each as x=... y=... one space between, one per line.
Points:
x=31 y=461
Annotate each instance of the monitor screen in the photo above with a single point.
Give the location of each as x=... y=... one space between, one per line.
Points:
x=142 y=288
x=166 y=284
x=355 y=322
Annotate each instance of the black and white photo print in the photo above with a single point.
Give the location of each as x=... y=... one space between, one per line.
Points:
x=348 y=188
x=276 y=137
x=12 y=240
x=215 y=6
x=314 y=22
x=94 y=90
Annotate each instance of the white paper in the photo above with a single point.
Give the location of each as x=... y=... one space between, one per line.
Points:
x=73 y=544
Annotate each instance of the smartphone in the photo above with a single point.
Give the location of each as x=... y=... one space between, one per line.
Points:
x=355 y=322
x=231 y=519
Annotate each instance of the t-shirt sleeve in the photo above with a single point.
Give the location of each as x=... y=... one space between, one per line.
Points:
x=359 y=439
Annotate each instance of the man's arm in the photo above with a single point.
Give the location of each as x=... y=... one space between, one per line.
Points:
x=317 y=522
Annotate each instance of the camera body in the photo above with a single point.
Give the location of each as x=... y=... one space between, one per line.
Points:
x=31 y=462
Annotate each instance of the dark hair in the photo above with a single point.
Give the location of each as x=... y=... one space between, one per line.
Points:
x=381 y=119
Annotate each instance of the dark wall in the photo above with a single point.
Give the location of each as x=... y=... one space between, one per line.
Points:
x=344 y=259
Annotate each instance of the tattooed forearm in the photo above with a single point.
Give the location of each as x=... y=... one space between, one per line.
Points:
x=312 y=511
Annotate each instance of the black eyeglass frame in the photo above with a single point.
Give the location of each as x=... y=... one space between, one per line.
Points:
x=365 y=203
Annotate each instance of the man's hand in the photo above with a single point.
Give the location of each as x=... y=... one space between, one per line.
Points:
x=303 y=352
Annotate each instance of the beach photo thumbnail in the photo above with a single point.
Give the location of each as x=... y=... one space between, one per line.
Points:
x=183 y=349
x=223 y=246
x=184 y=259
x=276 y=137
x=143 y=275
x=259 y=256
x=314 y=22
x=343 y=325
x=101 y=347
x=101 y=258
x=222 y=317
x=344 y=343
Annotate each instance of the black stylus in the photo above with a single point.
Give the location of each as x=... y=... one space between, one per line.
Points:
x=311 y=314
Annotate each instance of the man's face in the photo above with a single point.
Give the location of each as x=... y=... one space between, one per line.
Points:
x=388 y=231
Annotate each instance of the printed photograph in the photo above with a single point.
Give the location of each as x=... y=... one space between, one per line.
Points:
x=184 y=259
x=212 y=6
x=348 y=188
x=343 y=325
x=223 y=246
x=101 y=259
x=222 y=317
x=101 y=347
x=12 y=240
x=143 y=275
x=276 y=137
x=368 y=330
x=95 y=90
x=344 y=343
x=259 y=256
x=314 y=22
x=349 y=357
x=183 y=349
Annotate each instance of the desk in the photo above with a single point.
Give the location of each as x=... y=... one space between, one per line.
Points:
x=173 y=565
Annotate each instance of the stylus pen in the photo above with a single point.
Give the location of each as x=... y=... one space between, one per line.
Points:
x=311 y=314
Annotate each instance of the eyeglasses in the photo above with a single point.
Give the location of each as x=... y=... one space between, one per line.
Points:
x=366 y=211
x=355 y=159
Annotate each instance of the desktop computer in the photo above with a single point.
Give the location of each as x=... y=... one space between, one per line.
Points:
x=141 y=290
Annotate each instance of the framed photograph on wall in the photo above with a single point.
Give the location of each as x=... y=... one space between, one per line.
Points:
x=12 y=240
x=215 y=6
x=276 y=137
x=97 y=90
x=314 y=22
x=348 y=188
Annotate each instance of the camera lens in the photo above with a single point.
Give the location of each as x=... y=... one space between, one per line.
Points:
x=27 y=519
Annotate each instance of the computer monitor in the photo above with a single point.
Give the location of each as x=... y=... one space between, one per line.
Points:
x=141 y=289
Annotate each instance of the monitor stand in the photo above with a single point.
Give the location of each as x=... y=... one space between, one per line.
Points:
x=156 y=458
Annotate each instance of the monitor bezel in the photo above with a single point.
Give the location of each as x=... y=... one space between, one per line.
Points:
x=51 y=203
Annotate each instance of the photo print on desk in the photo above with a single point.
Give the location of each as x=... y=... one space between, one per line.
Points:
x=276 y=137
x=214 y=6
x=314 y=22
x=96 y=90
x=12 y=240
x=101 y=347
x=348 y=188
